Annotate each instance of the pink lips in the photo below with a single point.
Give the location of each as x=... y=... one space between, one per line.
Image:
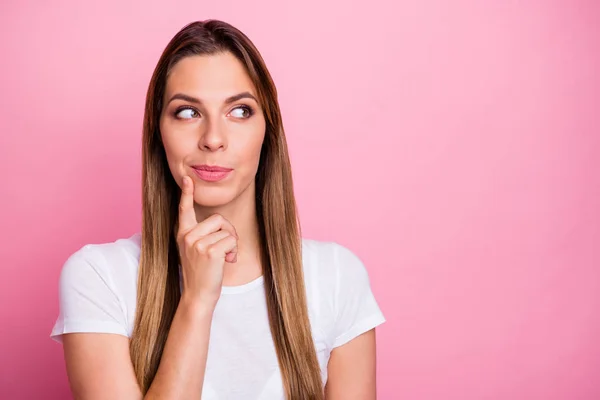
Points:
x=211 y=173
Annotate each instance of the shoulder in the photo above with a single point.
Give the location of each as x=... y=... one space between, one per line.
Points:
x=330 y=261
x=97 y=287
x=109 y=259
x=332 y=270
x=125 y=247
x=341 y=302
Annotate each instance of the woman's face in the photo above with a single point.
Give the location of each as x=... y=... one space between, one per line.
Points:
x=212 y=127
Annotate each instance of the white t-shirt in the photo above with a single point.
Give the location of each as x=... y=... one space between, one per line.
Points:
x=97 y=293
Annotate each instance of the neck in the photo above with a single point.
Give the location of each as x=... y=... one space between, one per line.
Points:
x=241 y=212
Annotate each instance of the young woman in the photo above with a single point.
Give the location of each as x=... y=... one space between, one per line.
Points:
x=219 y=296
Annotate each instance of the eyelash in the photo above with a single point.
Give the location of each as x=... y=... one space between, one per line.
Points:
x=245 y=107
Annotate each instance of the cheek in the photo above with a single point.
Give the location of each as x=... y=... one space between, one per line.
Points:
x=250 y=152
x=171 y=152
x=247 y=145
x=176 y=149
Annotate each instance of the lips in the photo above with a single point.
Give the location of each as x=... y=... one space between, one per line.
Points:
x=211 y=173
x=209 y=168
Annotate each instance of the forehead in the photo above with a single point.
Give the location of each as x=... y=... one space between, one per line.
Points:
x=209 y=77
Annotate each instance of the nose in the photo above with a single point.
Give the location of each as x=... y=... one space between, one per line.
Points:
x=213 y=137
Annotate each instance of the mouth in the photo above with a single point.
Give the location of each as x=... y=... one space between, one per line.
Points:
x=211 y=173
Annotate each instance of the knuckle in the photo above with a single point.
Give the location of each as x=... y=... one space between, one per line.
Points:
x=199 y=247
x=188 y=241
x=212 y=251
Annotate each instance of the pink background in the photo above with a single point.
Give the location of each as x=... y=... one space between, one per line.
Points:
x=457 y=148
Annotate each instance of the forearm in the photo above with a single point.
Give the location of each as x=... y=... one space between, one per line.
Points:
x=181 y=370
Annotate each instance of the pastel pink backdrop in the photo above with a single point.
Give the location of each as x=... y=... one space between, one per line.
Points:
x=454 y=146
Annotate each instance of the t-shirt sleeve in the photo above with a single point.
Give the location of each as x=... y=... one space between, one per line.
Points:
x=357 y=310
x=87 y=300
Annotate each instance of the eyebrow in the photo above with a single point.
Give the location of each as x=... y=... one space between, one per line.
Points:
x=229 y=100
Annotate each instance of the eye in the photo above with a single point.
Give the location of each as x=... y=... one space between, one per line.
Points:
x=243 y=112
x=186 y=113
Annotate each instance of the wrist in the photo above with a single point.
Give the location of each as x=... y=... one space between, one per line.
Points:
x=197 y=306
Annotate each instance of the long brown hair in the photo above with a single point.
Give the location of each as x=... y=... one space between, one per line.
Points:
x=158 y=290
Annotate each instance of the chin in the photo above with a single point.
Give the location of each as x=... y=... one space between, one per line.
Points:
x=213 y=197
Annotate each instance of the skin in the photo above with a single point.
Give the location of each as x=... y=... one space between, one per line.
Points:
x=218 y=242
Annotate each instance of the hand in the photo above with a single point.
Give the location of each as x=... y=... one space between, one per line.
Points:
x=203 y=249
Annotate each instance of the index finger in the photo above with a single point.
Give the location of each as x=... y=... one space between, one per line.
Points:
x=187 y=215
